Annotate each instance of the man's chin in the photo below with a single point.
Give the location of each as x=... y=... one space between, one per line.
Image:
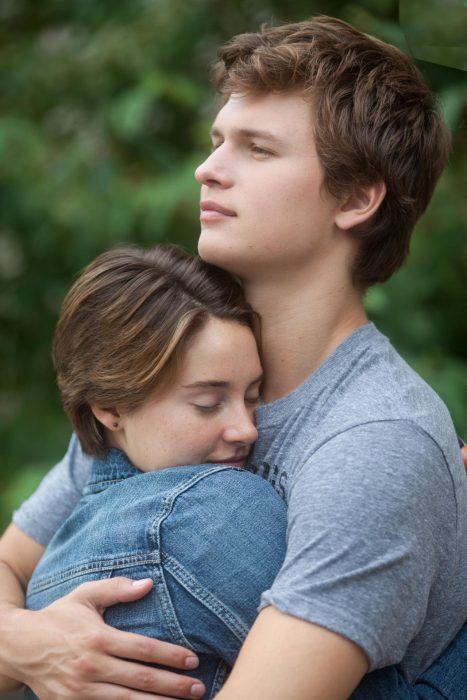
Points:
x=214 y=253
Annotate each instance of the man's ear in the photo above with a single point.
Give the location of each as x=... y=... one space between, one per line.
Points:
x=360 y=206
x=109 y=417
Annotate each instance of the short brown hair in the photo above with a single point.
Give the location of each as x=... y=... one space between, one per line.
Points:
x=124 y=324
x=375 y=119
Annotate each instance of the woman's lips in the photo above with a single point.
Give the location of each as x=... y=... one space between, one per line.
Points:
x=232 y=462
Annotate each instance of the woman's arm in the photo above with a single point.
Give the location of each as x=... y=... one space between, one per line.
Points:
x=66 y=650
x=285 y=657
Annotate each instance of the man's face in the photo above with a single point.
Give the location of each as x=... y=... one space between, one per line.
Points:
x=263 y=207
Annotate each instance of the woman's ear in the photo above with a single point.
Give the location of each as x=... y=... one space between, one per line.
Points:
x=109 y=417
x=360 y=206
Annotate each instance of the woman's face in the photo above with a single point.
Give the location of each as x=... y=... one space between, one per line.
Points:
x=207 y=415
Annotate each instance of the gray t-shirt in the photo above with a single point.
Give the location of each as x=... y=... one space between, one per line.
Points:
x=365 y=454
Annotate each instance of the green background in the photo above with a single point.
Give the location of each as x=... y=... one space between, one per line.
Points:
x=105 y=111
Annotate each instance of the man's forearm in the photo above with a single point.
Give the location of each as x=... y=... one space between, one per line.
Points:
x=67 y=650
x=11 y=599
x=19 y=554
x=285 y=657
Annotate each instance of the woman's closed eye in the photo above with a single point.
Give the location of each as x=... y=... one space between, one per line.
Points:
x=253 y=400
x=207 y=408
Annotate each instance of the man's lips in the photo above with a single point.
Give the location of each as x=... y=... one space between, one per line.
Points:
x=212 y=210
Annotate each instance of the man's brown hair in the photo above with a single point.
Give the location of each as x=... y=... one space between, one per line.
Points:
x=374 y=118
x=125 y=323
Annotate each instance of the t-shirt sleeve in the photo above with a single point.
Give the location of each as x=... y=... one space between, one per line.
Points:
x=364 y=522
x=41 y=514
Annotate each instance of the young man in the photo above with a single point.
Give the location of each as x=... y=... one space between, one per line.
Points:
x=326 y=152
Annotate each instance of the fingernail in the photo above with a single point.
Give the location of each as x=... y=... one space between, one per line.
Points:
x=191 y=662
x=142 y=583
x=197 y=690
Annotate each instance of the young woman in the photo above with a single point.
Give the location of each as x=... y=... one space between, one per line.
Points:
x=159 y=372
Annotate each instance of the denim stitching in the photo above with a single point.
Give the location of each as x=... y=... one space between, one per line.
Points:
x=94 y=567
x=222 y=671
x=168 y=503
x=185 y=579
x=164 y=599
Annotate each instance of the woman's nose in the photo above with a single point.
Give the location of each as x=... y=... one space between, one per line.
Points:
x=241 y=429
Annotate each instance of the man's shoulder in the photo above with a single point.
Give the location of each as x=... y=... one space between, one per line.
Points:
x=371 y=381
x=364 y=387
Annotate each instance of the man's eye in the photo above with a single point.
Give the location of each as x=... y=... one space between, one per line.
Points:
x=259 y=151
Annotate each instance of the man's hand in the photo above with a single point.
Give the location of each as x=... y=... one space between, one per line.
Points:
x=464 y=453
x=67 y=652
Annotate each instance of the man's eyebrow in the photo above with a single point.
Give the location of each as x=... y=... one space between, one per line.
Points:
x=216 y=383
x=250 y=133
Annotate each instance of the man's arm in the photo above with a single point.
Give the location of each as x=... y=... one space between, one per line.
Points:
x=464 y=455
x=66 y=650
x=285 y=657
x=18 y=556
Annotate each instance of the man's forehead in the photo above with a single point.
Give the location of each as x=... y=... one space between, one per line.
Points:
x=272 y=115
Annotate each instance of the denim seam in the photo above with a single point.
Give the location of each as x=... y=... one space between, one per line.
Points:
x=222 y=671
x=186 y=485
x=98 y=486
x=94 y=567
x=163 y=598
x=168 y=503
x=198 y=591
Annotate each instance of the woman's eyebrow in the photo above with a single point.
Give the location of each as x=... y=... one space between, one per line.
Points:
x=216 y=383
x=206 y=383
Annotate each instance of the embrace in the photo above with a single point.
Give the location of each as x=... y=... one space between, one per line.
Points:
x=259 y=491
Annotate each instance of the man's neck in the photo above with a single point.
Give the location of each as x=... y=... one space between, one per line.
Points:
x=301 y=325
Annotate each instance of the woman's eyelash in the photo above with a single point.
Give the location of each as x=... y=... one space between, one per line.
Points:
x=206 y=409
x=253 y=401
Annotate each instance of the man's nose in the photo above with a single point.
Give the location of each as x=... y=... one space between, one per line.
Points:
x=214 y=170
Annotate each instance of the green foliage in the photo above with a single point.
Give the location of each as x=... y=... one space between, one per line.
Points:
x=105 y=113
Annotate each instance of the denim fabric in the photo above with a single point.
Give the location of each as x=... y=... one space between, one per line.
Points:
x=446 y=679
x=212 y=538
